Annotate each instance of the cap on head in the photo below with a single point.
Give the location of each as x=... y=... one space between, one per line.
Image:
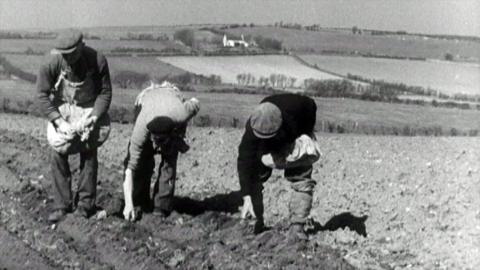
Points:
x=161 y=125
x=266 y=120
x=67 y=41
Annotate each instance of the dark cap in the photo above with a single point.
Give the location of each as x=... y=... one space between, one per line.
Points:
x=67 y=41
x=161 y=125
x=266 y=120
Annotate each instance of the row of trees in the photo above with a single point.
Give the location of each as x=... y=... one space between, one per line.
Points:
x=28 y=35
x=145 y=36
x=274 y=80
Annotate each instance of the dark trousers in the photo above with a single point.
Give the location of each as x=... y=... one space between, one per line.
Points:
x=62 y=177
x=302 y=184
x=164 y=186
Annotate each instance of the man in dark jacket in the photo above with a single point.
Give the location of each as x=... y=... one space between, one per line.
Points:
x=274 y=125
x=77 y=77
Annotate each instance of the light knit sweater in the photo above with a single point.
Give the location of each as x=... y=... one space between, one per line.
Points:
x=154 y=101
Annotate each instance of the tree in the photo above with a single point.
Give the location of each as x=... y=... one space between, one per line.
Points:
x=273 y=80
x=292 y=81
x=187 y=36
x=449 y=57
x=354 y=30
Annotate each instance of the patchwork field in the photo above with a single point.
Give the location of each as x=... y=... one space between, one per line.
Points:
x=259 y=66
x=448 y=77
x=344 y=41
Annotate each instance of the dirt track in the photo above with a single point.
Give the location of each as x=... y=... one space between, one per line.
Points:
x=421 y=196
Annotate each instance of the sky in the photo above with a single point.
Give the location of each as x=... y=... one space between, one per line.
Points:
x=454 y=17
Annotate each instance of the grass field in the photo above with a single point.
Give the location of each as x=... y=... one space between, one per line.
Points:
x=448 y=77
x=329 y=40
x=229 y=67
x=233 y=110
x=146 y=65
x=45 y=45
x=28 y=63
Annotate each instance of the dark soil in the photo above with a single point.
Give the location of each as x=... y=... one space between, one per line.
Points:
x=202 y=234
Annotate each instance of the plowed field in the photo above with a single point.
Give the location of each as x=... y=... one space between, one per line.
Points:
x=421 y=196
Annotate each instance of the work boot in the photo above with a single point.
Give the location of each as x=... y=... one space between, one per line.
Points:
x=259 y=227
x=160 y=213
x=57 y=215
x=82 y=212
x=296 y=232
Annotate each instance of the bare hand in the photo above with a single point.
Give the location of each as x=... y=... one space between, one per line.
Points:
x=247 y=209
x=129 y=213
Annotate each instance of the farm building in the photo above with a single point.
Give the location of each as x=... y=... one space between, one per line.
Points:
x=234 y=43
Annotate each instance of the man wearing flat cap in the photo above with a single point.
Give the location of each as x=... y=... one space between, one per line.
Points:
x=279 y=135
x=160 y=126
x=74 y=92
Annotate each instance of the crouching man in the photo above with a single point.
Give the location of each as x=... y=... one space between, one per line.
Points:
x=74 y=92
x=279 y=134
x=160 y=126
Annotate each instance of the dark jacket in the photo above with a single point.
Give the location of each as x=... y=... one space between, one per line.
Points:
x=298 y=118
x=90 y=61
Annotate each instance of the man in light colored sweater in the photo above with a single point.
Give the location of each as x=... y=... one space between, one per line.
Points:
x=160 y=126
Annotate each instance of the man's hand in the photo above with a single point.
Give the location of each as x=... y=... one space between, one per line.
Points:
x=129 y=212
x=247 y=209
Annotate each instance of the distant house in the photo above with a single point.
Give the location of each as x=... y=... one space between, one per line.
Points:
x=234 y=43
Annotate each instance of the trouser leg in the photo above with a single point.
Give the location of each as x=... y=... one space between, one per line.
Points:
x=165 y=183
x=303 y=186
x=87 y=189
x=62 y=181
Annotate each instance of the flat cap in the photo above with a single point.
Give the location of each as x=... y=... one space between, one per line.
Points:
x=161 y=125
x=67 y=41
x=266 y=120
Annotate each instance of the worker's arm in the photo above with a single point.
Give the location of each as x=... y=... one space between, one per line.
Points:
x=104 y=98
x=128 y=212
x=46 y=77
x=251 y=172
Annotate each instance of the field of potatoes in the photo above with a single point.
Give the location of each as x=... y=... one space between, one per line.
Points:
x=421 y=196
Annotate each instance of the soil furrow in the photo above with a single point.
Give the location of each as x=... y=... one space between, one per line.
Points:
x=200 y=240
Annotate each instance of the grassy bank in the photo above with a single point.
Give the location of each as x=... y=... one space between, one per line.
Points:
x=334 y=115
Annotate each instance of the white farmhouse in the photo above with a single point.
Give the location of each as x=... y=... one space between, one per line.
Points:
x=234 y=43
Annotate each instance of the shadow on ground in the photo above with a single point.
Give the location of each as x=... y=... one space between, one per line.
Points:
x=340 y=221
